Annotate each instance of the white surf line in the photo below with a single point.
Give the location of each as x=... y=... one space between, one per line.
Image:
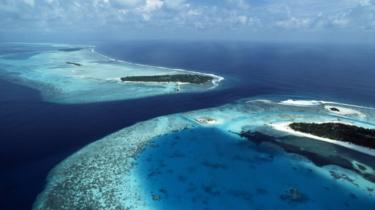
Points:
x=306 y=102
x=259 y=100
x=291 y=102
x=351 y=105
x=284 y=127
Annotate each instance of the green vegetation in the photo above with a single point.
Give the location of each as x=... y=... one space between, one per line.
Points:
x=186 y=78
x=71 y=49
x=338 y=131
x=76 y=64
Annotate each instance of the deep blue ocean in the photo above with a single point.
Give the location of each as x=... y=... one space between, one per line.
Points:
x=36 y=135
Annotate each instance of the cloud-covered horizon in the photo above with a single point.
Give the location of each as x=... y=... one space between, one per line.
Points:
x=233 y=19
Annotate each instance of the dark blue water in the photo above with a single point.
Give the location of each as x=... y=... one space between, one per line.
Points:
x=36 y=135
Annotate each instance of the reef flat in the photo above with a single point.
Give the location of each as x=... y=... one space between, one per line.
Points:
x=219 y=158
x=72 y=74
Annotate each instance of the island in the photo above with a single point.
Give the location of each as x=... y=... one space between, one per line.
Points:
x=206 y=120
x=338 y=131
x=183 y=78
x=346 y=111
x=73 y=63
x=334 y=109
x=83 y=75
x=71 y=49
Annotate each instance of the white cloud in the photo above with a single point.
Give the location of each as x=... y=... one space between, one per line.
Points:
x=175 y=4
x=193 y=12
x=340 y=22
x=241 y=15
x=152 y=5
x=124 y=2
x=31 y=3
x=365 y=2
x=294 y=23
x=242 y=19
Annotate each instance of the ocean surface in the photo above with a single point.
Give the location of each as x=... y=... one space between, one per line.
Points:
x=35 y=135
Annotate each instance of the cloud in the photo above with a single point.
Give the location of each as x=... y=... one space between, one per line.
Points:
x=241 y=4
x=128 y=3
x=175 y=4
x=31 y=3
x=188 y=15
x=152 y=5
x=294 y=23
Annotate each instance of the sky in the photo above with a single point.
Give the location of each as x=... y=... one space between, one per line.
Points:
x=257 y=20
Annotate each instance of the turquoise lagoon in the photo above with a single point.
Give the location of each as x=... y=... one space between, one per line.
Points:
x=72 y=74
x=198 y=160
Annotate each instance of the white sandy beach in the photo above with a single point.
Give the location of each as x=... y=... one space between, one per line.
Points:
x=291 y=102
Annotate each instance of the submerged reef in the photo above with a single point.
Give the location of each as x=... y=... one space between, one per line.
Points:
x=293 y=194
x=339 y=131
x=183 y=78
x=93 y=177
x=202 y=160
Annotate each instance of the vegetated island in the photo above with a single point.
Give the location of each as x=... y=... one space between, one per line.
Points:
x=71 y=49
x=338 y=131
x=183 y=78
x=334 y=109
x=73 y=63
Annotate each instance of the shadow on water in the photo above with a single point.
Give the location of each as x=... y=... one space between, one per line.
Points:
x=36 y=135
x=205 y=168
